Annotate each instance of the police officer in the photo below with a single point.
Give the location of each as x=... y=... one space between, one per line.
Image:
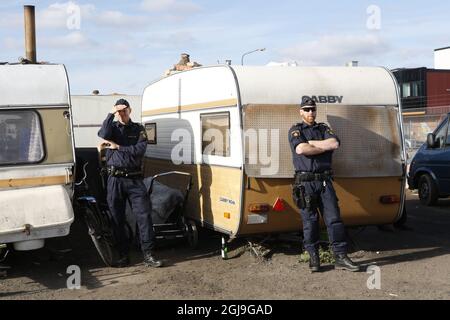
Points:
x=126 y=143
x=312 y=147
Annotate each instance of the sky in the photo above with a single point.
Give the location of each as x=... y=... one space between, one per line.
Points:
x=121 y=46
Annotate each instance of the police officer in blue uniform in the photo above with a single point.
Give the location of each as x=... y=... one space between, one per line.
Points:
x=126 y=143
x=312 y=147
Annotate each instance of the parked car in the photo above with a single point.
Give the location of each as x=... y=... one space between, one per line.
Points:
x=430 y=168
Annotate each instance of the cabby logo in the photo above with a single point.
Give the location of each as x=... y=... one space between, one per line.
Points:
x=325 y=99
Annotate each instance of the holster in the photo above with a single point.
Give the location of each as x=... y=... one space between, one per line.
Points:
x=302 y=200
x=298 y=195
x=123 y=172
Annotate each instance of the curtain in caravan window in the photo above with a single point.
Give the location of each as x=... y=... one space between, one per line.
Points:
x=216 y=134
x=20 y=137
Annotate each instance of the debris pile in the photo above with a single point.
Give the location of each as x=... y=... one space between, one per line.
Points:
x=184 y=64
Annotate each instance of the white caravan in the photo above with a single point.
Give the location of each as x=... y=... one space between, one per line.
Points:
x=89 y=111
x=228 y=127
x=36 y=154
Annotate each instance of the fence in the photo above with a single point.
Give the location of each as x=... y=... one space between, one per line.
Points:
x=416 y=129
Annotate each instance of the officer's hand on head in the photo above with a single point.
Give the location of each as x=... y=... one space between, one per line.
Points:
x=118 y=108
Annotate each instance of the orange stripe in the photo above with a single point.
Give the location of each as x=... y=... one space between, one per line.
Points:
x=192 y=107
x=419 y=113
x=33 y=182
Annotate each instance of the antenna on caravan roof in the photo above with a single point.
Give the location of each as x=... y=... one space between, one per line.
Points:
x=352 y=64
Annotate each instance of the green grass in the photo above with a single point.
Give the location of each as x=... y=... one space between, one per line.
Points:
x=326 y=256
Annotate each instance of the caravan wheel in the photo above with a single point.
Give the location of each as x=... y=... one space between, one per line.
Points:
x=191 y=233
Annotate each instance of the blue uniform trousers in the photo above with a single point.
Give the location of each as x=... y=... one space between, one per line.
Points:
x=329 y=208
x=120 y=190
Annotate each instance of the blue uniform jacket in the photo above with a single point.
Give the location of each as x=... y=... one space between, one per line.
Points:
x=302 y=133
x=132 y=140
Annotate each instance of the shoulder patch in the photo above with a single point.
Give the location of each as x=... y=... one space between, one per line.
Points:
x=295 y=133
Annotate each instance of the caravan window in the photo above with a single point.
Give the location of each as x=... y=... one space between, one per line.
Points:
x=20 y=137
x=150 y=128
x=216 y=134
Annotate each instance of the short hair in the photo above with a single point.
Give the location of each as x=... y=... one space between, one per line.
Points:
x=307 y=102
x=122 y=102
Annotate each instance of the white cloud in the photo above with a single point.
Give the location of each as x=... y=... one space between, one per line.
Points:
x=118 y=19
x=175 y=7
x=57 y=14
x=72 y=40
x=337 y=49
x=174 y=39
x=13 y=43
x=11 y=20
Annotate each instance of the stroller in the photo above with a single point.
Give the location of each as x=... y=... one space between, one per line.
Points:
x=168 y=209
x=90 y=202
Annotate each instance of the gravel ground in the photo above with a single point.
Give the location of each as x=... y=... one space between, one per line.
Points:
x=414 y=264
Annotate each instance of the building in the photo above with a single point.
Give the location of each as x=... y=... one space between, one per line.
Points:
x=442 y=58
x=424 y=89
x=425 y=95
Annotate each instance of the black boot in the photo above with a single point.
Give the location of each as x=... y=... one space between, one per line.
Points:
x=122 y=262
x=314 y=262
x=343 y=262
x=151 y=261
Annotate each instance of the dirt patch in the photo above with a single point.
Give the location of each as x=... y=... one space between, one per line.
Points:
x=414 y=263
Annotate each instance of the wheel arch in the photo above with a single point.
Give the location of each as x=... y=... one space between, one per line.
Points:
x=420 y=172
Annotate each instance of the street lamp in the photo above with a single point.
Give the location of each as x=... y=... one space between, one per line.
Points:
x=242 y=58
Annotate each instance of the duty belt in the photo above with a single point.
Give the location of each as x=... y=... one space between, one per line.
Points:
x=311 y=176
x=124 y=172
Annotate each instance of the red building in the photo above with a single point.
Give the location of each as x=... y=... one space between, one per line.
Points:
x=424 y=89
x=438 y=88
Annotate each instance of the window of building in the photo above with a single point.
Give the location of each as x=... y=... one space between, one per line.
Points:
x=21 y=138
x=415 y=88
x=150 y=128
x=216 y=134
x=406 y=90
x=411 y=89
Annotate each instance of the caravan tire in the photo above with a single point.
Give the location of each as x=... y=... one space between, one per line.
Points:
x=191 y=233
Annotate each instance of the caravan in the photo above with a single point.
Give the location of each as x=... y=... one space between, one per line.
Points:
x=36 y=154
x=228 y=127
